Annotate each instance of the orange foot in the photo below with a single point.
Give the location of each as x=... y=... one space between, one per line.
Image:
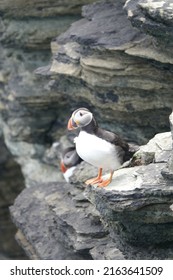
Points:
x=106 y=182
x=94 y=181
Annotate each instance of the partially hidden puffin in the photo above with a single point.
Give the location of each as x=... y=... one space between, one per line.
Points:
x=99 y=147
x=69 y=160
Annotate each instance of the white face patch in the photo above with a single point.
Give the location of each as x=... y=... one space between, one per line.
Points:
x=97 y=151
x=82 y=118
x=69 y=173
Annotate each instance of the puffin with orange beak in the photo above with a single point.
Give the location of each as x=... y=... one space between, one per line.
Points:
x=98 y=147
x=69 y=161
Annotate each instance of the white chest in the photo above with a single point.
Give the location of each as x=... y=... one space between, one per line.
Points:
x=69 y=172
x=97 y=151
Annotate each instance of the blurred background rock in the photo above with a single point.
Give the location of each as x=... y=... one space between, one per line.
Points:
x=26 y=31
x=11 y=184
x=115 y=59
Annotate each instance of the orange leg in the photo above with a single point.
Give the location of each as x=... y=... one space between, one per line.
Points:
x=106 y=182
x=98 y=179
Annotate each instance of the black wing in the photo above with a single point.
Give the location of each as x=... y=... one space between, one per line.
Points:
x=121 y=145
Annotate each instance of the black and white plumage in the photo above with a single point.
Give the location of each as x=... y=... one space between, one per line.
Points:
x=69 y=160
x=99 y=147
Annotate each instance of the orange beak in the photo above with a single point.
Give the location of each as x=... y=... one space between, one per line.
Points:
x=71 y=124
x=62 y=167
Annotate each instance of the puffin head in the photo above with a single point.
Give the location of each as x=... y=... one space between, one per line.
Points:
x=69 y=158
x=80 y=118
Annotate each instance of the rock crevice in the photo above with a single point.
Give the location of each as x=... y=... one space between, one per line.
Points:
x=115 y=59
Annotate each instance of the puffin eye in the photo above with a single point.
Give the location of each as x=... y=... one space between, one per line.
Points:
x=80 y=114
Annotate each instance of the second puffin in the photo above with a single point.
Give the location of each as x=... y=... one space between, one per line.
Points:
x=98 y=147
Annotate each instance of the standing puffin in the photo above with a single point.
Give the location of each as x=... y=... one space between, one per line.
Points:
x=69 y=160
x=99 y=147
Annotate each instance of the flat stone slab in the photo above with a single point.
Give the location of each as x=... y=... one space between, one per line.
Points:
x=57 y=221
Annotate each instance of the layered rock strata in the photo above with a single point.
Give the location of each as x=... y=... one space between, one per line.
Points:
x=130 y=219
x=71 y=224
x=120 y=73
x=123 y=73
x=26 y=30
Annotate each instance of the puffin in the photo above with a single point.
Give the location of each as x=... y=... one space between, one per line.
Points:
x=69 y=160
x=100 y=148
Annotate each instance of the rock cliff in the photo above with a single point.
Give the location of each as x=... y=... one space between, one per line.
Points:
x=26 y=29
x=121 y=73
x=11 y=184
x=117 y=61
x=130 y=219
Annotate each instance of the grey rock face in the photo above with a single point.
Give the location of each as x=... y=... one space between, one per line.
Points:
x=29 y=116
x=130 y=219
x=157 y=150
x=140 y=203
x=137 y=205
x=102 y=62
x=152 y=17
x=123 y=73
x=11 y=184
x=140 y=196
x=41 y=9
x=27 y=28
x=58 y=221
